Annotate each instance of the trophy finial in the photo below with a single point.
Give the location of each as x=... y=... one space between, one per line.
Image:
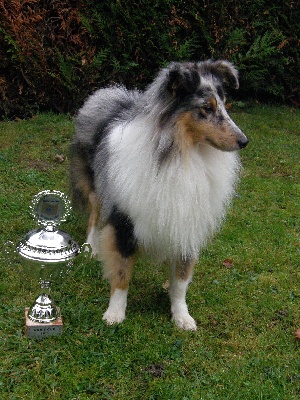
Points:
x=50 y=208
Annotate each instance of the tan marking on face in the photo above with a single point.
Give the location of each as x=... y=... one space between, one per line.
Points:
x=192 y=130
x=116 y=268
x=184 y=135
x=212 y=103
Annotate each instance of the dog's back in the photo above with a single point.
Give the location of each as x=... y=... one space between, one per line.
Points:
x=94 y=120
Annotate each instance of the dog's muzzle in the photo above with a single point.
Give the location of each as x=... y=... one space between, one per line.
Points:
x=243 y=142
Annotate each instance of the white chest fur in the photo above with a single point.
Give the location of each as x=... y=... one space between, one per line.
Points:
x=177 y=206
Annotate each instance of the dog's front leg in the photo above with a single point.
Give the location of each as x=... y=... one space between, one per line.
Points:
x=117 y=269
x=181 y=276
x=115 y=313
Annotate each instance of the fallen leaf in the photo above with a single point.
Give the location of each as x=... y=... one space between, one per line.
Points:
x=297 y=334
x=59 y=158
x=228 y=263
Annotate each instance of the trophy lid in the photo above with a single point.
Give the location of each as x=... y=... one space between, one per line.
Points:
x=49 y=247
x=47 y=244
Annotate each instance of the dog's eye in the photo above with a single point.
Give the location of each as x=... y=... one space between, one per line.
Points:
x=209 y=108
x=202 y=113
x=205 y=110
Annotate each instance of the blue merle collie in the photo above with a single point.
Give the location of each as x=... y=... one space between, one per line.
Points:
x=157 y=169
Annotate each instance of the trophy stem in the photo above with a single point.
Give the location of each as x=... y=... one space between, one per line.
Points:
x=44 y=310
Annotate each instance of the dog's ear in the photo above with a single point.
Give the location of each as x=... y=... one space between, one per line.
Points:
x=227 y=72
x=183 y=79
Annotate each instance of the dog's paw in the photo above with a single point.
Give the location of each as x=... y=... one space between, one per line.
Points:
x=115 y=314
x=112 y=317
x=185 y=322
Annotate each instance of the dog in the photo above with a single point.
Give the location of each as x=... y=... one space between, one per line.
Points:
x=157 y=170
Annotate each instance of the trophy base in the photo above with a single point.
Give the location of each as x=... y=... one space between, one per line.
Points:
x=41 y=330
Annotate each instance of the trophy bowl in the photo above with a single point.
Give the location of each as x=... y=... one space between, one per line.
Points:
x=48 y=254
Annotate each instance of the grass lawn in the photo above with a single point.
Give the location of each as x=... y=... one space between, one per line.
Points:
x=247 y=308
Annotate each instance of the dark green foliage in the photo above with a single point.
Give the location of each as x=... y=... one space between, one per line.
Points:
x=263 y=39
x=134 y=39
x=44 y=58
x=53 y=53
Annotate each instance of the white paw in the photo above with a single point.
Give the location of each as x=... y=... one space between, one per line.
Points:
x=185 y=322
x=113 y=316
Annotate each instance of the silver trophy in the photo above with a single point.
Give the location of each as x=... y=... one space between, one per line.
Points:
x=47 y=254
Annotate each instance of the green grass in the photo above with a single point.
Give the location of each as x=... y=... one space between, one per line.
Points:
x=247 y=312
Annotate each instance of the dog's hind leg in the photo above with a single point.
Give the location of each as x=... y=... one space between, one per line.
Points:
x=84 y=194
x=117 y=249
x=181 y=276
x=93 y=230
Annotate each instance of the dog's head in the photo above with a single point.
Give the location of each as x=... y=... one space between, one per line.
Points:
x=195 y=97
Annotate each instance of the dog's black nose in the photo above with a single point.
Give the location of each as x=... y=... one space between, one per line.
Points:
x=243 y=143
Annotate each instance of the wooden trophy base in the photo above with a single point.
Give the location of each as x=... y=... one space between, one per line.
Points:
x=39 y=330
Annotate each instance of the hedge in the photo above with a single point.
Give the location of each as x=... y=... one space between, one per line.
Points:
x=54 y=52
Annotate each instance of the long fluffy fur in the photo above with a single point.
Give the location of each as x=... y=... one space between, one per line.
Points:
x=165 y=159
x=175 y=207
